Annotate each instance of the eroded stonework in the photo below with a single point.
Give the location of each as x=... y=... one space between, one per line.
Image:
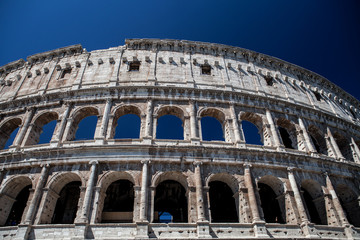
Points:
x=301 y=182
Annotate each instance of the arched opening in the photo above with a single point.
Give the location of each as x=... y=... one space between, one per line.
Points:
x=86 y=128
x=67 y=204
x=222 y=203
x=84 y=124
x=314 y=201
x=169 y=127
x=344 y=146
x=170 y=199
x=350 y=203
x=8 y=132
x=18 y=207
x=288 y=133
x=119 y=202
x=318 y=140
x=211 y=129
x=42 y=129
x=128 y=126
x=251 y=133
x=270 y=204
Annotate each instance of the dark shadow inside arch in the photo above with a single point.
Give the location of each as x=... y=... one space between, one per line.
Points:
x=47 y=132
x=119 y=202
x=350 y=203
x=251 y=133
x=170 y=198
x=18 y=207
x=169 y=127
x=269 y=204
x=11 y=138
x=285 y=136
x=86 y=128
x=211 y=129
x=128 y=126
x=222 y=203
x=312 y=210
x=67 y=204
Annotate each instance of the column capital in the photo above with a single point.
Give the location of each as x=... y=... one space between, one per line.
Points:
x=109 y=100
x=46 y=165
x=197 y=163
x=147 y=161
x=93 y=162
x=247 y=165
x=291 y=169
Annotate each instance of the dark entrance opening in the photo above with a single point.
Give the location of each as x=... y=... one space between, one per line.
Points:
x=285 y=138
x=170 y=199
x=269 y=204
x=222 y=203
x=312 y=210
x=119 y=202
x=18 y=207
x=67 y=204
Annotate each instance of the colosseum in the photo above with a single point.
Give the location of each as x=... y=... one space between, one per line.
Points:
x=148 y=167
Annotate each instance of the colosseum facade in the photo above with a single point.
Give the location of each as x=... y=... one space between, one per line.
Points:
x=301 y=181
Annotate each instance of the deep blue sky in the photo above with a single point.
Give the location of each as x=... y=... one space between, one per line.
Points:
x=320 y=35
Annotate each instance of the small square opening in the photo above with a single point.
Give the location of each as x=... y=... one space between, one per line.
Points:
x=65 y=73
x=269 y=80
x=205 y=69
x=134 y=66
x=318 y=96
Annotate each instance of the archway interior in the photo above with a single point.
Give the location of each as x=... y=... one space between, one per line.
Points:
x=222 y=203
x=350 y=203
x=169 y=127
x=170 y=199
x=251 y=133
x=270 y=204
x=47 y=132
x=86 y=128
x=312 y=210
x=128 y=126
x=119 y=202
x=67 y=204
x=285 y=136
x=18 y=207
x=211 y=129
x=11 y=138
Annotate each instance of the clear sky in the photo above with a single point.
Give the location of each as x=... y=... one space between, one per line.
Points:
x=321 y=35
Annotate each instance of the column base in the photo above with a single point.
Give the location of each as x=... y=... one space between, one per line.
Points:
x=142 y=230
x=80 y=231
x=147 y=140
x=23 y=232
x=260 y=229
x=203 y=229
x=308 y=230
x=195 y=141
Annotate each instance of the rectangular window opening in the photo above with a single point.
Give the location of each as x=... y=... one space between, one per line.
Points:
x=65 y=72
x=134 y=66
x=205 y=69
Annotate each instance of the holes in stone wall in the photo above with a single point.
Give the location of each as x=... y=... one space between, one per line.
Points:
x=318 y=96
x=65 y=73
x=18 y=207
x=67 y=204
x=134 y=66
x=170 y=198
x=124 y=131
x=8 y=132
x=251 y=133
x=269 y=80
x=169 y=127
x=119 y=202
x=222 y=203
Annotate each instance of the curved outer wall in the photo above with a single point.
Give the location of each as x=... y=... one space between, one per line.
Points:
x=190 y=80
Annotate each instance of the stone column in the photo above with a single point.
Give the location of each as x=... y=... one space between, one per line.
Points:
x=105 y=119
x=335 y=146
x=58 y=136
x=299 y=203
x=23 y=129
x=356 y=150
x=143 y=193
x=274 y=132
x=193 y=128
x=88 y=193
x=251 y=193
x=37 y=195
x=199 y=192
x=148 y=121
x=307 y=137
x=2 y=174
x=235 y=124
x=336 y=201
